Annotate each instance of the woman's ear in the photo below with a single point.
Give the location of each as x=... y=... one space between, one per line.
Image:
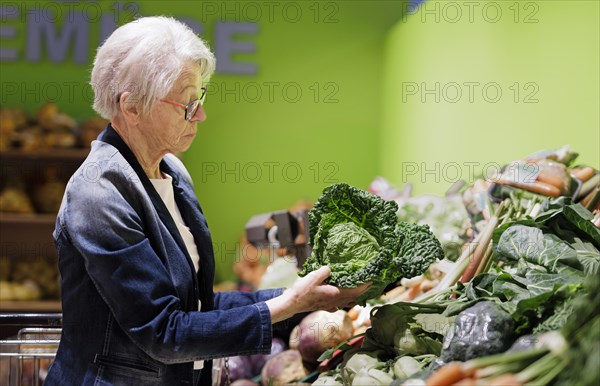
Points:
x=128 y=105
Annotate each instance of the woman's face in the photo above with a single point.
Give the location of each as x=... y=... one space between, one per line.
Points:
x=166 y=127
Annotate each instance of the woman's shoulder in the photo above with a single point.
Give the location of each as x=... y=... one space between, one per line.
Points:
x=103 y=174
x=105 y=161
x=105 y=183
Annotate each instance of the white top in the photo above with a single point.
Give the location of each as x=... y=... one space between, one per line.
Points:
x=164 y=187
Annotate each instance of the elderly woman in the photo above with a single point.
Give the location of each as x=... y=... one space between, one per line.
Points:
x=135 y=253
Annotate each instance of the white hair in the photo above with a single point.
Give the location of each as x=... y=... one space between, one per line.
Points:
x=145 y=57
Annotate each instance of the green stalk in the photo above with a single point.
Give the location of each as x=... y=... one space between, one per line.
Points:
x=433 y=295
x=530 y=206
x=452 y=276
x=508 y=216
x=490 y=261
x=486 y=261
x=505 y=358
x=496 y=370
x=423 y=308
x=541 y=366
x=549 y=376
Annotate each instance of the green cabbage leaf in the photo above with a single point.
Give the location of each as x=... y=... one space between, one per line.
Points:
x=357 y=234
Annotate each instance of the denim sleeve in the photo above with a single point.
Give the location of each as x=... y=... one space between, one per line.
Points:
x=137 y=287
x=231 y=299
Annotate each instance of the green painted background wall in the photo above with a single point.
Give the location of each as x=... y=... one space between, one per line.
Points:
x=543 y=58
x=253 y=157
x=310 y=116
x=331 y=98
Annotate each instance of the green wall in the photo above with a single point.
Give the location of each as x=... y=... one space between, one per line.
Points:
x=333 y=97
x=255 y=156
x=542 y=56
x=309 y=116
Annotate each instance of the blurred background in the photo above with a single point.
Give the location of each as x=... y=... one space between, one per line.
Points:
x=309 y=93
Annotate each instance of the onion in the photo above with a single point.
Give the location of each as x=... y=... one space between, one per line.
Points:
x=283 y=369
x=321 y=330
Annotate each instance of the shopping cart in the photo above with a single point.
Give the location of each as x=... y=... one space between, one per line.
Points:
x=26 y=357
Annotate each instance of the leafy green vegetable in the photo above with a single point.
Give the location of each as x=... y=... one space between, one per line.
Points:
x=558 y=319
x=529 y=299
x=357 y=234
x=533 y=246
x=406 y=329
x=563 y=218
x=571 y=355
x=588 y=256
x=582 y=330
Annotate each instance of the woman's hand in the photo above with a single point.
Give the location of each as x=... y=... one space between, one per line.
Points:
x=310 y=293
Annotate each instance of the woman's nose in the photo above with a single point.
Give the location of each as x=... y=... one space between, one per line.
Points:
x=200 y=115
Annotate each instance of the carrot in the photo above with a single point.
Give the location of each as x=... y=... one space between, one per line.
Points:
x=414 y=291
x=583 y=174
x=482 y=246
x=536 y=187
x=505 y=380
x=466 y=382
x=393 y=294
x=551 y=179
x=447 y=375
x=592 y=200
x=354 y=312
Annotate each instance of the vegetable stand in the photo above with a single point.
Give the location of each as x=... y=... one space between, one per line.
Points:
x=501 y=299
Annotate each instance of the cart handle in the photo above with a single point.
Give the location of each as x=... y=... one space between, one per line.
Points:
x=49 y=319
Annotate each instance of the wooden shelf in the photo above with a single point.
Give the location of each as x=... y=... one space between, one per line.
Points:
x=27 y=219
x=30 y=306
x=27 y=238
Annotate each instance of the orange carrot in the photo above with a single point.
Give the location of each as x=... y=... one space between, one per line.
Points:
x=393 y=293
x=353 y=313
x=536 y=187
x=583 y=174
x=466 y=382
x=505 y=380
x=447 y=375
x=551 y=179
x=414 y=291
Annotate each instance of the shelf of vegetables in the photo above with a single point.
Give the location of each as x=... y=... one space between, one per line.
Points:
x=495 y=284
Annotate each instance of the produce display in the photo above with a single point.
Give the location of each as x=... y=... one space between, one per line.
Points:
x=513 y=301
x=29 y=279
x=33 y=182
x=49 y=128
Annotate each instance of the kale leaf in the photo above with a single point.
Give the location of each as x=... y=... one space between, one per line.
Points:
x=357 y=234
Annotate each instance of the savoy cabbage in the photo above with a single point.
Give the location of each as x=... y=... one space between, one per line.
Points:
x=357 y=234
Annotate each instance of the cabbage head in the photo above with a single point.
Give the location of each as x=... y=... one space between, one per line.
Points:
x=357 y=234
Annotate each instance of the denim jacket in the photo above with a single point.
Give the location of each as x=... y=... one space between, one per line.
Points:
x=129 y=290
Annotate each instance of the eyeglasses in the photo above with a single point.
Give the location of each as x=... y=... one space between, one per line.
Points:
x=192 y=107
